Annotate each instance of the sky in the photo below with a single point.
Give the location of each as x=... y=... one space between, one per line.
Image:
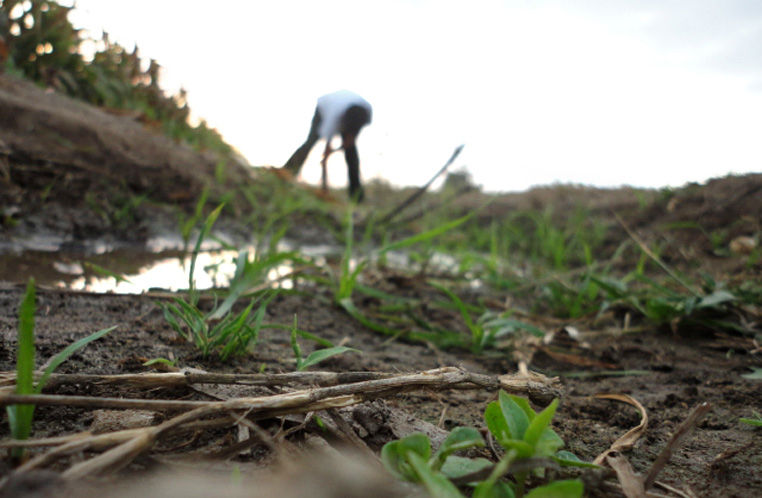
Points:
x=600 y=92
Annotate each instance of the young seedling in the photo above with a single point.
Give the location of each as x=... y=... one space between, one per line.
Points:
x=20 y=416
x=316 y=356
x=529 y=443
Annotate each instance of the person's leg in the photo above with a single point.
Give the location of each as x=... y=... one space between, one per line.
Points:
x=324 y=165
x=352 y=158
x=297 y=159
x=354 y=119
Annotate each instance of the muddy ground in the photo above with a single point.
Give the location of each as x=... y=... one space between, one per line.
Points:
x=43 y=190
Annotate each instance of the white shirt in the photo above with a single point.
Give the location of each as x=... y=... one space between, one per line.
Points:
x=333 y=106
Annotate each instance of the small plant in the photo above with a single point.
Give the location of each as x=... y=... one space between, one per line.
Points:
x=665 y=305
x=530 y=445
x=755 y=421
x=232 y=334
x=315 y=357
x=219 y=329
x=346 y=282
x=20 y=416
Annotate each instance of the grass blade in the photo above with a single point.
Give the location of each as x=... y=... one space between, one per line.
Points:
x=20 y=416
x=66 y=352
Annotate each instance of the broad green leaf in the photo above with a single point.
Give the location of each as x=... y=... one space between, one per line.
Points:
x=456 y=466
x=460 y=438
x=321 y=354
x=515 y=414
x=549 y=443
x=497 y=489
x=524 y=405
x=571 y=488
x=394 y=455
x=540 y=423
x=435 y=483
x=496 y=423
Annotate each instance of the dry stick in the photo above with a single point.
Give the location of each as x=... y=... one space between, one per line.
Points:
x=678 y=437
x=539 y=388
x=184 y=379
x=394 y=212
x=139 y=440
x=535 y=385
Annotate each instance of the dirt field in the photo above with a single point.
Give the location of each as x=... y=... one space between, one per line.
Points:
x=669 y=372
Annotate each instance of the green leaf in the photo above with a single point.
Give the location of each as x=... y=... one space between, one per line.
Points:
x=321 y=354
x=549 y=443
x=295 y=346
x=715 y=298
x=571 y=488
x=68 y=351
x=394 y=455
x=568 y=459
x=435 y=483
x=499 y=489
x=460 y=438
x=496 y=423
x=515 y=412
x=524 y=405
x=159 y=361
x=427 y=235
x=348 y=306
x=456 y=466
x=538 y=425
x=757 y=422
x=755 y=375
x=477 y=332
x=25 y=355
x=20 y=416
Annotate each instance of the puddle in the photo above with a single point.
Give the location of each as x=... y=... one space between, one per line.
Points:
x=161 y=263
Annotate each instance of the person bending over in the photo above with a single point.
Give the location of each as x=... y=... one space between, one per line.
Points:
x=340 y=113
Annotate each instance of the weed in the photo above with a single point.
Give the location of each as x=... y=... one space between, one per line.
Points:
x=316 y=356
x=755 y=421
x=219 y=329
x=345 y=283
x=529 y=443
x=665 y=305
x=20 y=416
x=232 y=334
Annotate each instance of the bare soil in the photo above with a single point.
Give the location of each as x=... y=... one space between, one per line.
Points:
x=44 y=187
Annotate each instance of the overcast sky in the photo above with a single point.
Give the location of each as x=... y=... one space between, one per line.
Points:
x=607 y=92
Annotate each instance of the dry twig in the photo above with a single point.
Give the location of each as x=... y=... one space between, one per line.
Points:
x=123 y=446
